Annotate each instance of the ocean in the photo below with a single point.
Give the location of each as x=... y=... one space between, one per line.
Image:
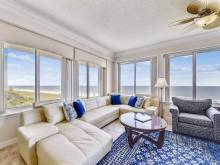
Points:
x=203 y=92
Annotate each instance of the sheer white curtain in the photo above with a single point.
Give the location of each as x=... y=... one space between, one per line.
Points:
x=67 y=85
x=166 y=60
x=153 y=76
x=1 y=79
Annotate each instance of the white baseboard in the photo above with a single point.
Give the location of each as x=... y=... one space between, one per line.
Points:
x=8 y=143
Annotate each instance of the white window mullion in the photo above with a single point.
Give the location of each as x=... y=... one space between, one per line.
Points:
x=194 y=76
x=88 y=79
x=135 y=78
x=37 y=77
x=1 y=79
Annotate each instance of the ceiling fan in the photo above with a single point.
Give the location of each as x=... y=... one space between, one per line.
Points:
x=206 y=15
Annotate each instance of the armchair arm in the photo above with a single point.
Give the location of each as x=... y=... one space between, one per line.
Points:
x=214 y=115
x=175 y=113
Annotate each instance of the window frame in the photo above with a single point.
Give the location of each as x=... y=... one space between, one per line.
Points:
x=194 y=55
x=19 y=47
x=88 y=64
x=3 y=77
x=52 y=55
x=135 y=75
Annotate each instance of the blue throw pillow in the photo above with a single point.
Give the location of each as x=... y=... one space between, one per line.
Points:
x=132 y=101
x=115 y=99
x=78 y=106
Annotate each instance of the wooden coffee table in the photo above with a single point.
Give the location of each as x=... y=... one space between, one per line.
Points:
x=136 y=129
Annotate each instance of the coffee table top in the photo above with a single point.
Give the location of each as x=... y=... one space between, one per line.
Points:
x=155 y=124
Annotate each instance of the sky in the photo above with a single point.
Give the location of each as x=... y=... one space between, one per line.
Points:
x=20 y=68
x=142 y=74
x=208 y=69
x=93 y=73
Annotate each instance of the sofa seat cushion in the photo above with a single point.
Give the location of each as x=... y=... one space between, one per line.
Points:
x=38 y=131
x=127 y=108
x=90 y=140
x=195 y=119
x=97 y=115
x=57 y=150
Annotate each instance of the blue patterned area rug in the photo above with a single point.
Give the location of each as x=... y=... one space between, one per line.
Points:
x=177 y=149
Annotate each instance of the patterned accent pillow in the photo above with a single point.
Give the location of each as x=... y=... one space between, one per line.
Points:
x=140 y=102
x=69 y=112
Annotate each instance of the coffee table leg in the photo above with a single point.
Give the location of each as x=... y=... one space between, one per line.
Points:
x=160 y=141
x=130 y=139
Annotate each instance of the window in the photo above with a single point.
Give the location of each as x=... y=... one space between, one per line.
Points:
x=19 y=69
x=208 y=75
x=50 y=78
x=82 y=80
x=143 y=78
x=93 y=80
x=196 y=76
x=127 y=79
x=181 y=76
x=135 y=78
x=29 y=77
x=88 y=80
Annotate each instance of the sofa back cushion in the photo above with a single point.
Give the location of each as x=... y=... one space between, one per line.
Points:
x=54 y=112
x=33 y=116
x=124 y=99
x=192 y=106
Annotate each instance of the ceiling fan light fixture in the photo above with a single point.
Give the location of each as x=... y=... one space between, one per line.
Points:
x=204 y=21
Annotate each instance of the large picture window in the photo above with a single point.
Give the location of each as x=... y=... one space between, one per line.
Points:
x=50 y=78
x=93 y=80
x=208 y=75
x=19 y=69
x=29 y=77
x=88 y=80
x=135 y=78
x=181 y=76
x=196 y=76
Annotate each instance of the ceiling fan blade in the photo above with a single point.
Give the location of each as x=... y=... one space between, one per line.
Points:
x=189 y=28
x=213 y=25
x=195 y=7
x=214 y=5
x=183 y=21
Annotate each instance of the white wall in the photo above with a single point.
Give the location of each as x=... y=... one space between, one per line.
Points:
x=12 y=34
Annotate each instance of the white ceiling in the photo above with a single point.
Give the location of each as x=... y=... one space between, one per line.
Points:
x=117 y=25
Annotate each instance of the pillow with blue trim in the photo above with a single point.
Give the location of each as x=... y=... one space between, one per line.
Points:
x=132 y=101
x=140 y=102
x=69 y=112
x=115 y=99
x=78 y=106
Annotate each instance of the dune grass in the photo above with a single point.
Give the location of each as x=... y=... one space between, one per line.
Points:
x=26 y=98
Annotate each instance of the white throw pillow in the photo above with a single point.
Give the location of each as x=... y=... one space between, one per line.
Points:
x=54 y=113
x=69 y=112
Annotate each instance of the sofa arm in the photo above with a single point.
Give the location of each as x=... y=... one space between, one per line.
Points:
x=214 y=115
x=29 y=135
x=175 y=113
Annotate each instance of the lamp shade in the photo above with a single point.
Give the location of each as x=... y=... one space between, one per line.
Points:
x=161 y=83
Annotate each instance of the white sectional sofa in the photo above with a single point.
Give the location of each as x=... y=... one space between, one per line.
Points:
x=47 y=138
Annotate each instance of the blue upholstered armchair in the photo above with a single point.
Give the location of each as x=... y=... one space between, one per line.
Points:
x=196 y=118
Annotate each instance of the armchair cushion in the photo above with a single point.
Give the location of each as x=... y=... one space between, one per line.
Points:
x=195 y=119
x=192 y=106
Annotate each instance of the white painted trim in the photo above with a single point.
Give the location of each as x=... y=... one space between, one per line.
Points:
x=8 y=143
x=1 y=79
x=12 y=13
